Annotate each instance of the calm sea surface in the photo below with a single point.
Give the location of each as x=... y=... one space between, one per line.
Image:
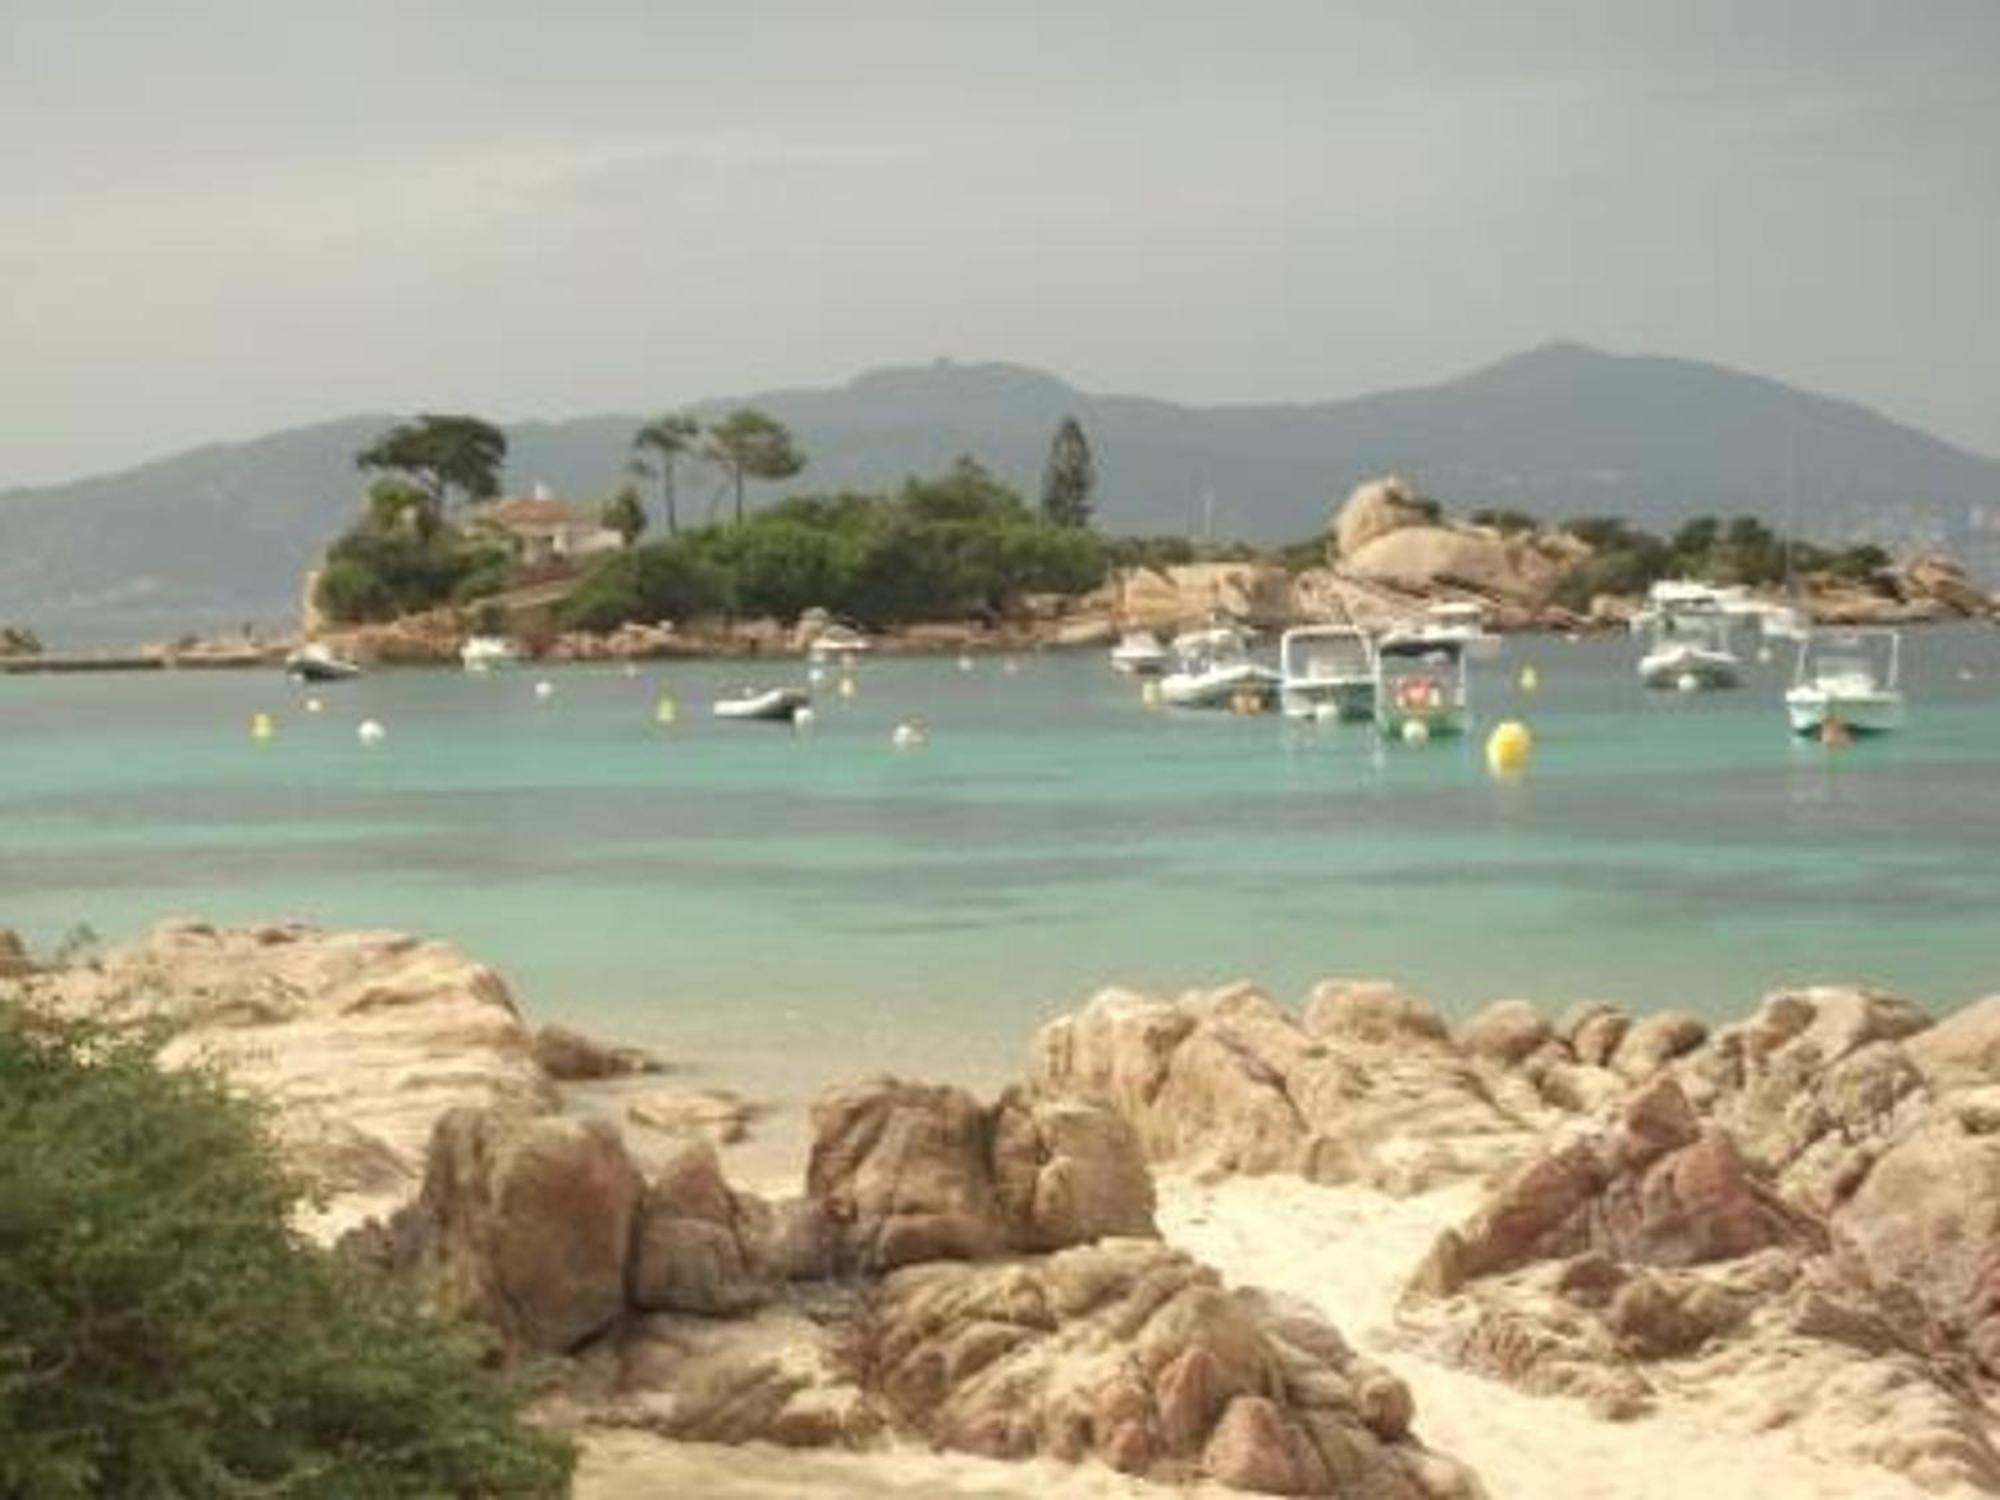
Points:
x=791 y=909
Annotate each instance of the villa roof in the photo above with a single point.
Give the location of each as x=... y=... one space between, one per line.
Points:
x=537 y=514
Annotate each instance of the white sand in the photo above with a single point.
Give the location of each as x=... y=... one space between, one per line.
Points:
x=634 y=1466
x=1346 y=1251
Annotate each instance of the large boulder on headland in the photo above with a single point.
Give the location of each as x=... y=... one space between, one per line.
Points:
x=1376 y=507
x=1522 y=569
x=1934 y=576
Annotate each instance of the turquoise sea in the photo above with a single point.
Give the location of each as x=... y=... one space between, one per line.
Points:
x=788 y=909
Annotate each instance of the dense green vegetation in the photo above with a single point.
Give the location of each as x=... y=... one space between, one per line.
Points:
x=164 y=1332
x=402 y=557
x=1627 y=560
x=957 y=545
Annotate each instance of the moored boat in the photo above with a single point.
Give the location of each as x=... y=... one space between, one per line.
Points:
x=1327 y=671
x=482 y=653
x=837 y=642
x=781 y=704
x=1687 y=630
x=1852 y=679
x=315 y=662
x=1421 y=685
x=1140 y=654
x=1213 y=669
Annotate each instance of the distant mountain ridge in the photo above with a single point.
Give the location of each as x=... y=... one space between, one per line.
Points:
x=219 y=534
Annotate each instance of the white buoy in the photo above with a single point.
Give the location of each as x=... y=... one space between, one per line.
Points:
x=1416 y=732
x=965 y=664
x=815 y=675
x=1325 y=713
x=313 y=705
x=631 y=669
x=370 y=732
x=803 y=720
x=909 y=734
x=1011 y=667
x=1764 y=655
x=545 y=689
x=847 y=687
x=1687 y=682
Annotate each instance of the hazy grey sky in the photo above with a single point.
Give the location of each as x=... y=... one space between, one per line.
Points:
x=223 y=218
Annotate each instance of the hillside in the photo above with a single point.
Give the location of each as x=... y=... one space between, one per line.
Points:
x=219 y=534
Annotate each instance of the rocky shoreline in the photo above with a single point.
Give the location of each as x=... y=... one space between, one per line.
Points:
x=1338 y=1249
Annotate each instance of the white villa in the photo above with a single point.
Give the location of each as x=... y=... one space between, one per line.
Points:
x=544 y=529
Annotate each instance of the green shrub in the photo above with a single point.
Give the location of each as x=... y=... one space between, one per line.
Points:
x=958 y=545
x=164 y=1332
x=666 y=581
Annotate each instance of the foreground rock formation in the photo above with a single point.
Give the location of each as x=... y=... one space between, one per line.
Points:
x=361 y=1040
x=1795 y=1220
x=1785 y=1229
x=981 y=1278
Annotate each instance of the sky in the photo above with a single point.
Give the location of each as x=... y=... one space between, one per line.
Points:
x=226 y=218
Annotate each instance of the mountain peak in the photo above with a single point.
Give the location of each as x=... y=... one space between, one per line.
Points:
x=979 y=380
x=1555 y=358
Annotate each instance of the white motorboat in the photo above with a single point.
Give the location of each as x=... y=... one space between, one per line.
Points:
x=482 y=653
x=1851 y=678
x=1327 y=671
x=837 y=642
x=1687 y=625
x=1463 y=621
x=1140 y=654
x=1784 y=622
x=781 y=704
x=1421 y=685
x=1213 y=669
x=314 y=662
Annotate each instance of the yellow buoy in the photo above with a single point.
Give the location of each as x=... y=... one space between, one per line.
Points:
x=666 y=710
x=1509 y=748
x=847 y=687
x=261 y=727
x=1529 y=679
x=1416 y=732
x=1149 y=693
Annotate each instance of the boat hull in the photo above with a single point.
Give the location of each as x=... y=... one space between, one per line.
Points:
x=1809 y=708
x=1220 y=687
x=1351 y=700
x=780 y=705
x=320 y=669
x=1707 y=670
x=1139 y=666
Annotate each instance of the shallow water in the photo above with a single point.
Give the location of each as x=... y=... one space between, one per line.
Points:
x=794 y=908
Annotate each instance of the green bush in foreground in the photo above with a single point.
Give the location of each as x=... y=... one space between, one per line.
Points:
x=163 y=1331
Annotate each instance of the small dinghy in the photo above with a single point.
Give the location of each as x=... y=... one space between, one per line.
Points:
x=782 y=704
x=316 y=663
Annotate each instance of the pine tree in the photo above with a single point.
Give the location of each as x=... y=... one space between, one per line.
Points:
x=1069 y=478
